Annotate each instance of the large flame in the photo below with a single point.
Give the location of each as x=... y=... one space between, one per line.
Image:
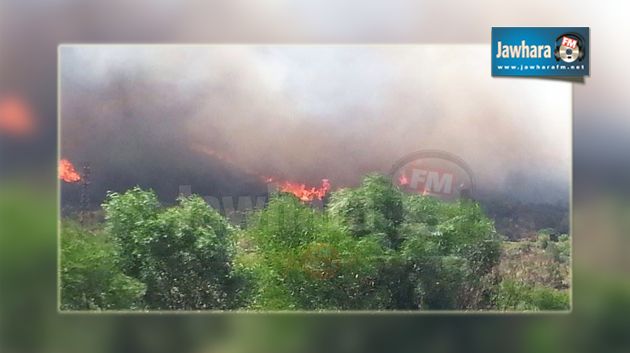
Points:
x=67 y=172
x=304 y=193
x=300 y=190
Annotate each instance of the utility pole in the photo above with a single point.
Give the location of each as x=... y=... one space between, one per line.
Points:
x=85 y=197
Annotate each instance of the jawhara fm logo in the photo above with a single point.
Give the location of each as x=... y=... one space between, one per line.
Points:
x=540 y=51
x=569 y=48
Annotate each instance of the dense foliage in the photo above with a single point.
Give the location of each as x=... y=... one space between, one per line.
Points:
x=91 y=277
x=535 y=273
x=372 y=247
x=300 y=259
x=183 y=253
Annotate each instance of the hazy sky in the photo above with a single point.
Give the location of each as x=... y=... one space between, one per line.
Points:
x=310 y=112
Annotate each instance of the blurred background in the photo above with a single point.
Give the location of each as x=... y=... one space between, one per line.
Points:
x=30 y=32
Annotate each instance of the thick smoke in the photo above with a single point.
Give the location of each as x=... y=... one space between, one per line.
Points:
x=149 y=115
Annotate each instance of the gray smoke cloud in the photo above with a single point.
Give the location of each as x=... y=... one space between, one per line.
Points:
x=219 y=116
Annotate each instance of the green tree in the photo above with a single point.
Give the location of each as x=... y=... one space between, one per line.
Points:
x=451 y=249
x=301 y=259
x=128 y=218
x=378 y=249
x=374 y=208
x=373 y=247
x=90 y=274
x=183 y=253
x=439 y=255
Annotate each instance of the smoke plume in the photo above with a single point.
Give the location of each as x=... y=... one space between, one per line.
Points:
x=218 y=117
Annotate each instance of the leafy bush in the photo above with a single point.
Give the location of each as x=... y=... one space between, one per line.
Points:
x=543 y=240
x=374 y=208
x=536 y=279
x=381 y=249
x=452 y=249
x=128 y=217
x=564 y=248
x=183 y=253
x=373 y=247
x=303 y=260
x=537 y=262
x=516 y=296
x=90 y=275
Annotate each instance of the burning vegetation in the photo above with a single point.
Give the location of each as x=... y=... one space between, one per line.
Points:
x=370 y=246
x=301 y=190
x=67 y=172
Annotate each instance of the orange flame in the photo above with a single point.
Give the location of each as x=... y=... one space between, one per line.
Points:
x=300 y=190
x=16 y=118
x=304 y=193
x=67 y=172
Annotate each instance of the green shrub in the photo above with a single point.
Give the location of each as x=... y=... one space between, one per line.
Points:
x=388 y=251
x=564 y=248
x=90 y=275
x=374 y=208
x=128 y=217
x=515 y=296
x=183 y=253
x=451 y=249
x=304 y=260
x=543 y=240
x=373 y=247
